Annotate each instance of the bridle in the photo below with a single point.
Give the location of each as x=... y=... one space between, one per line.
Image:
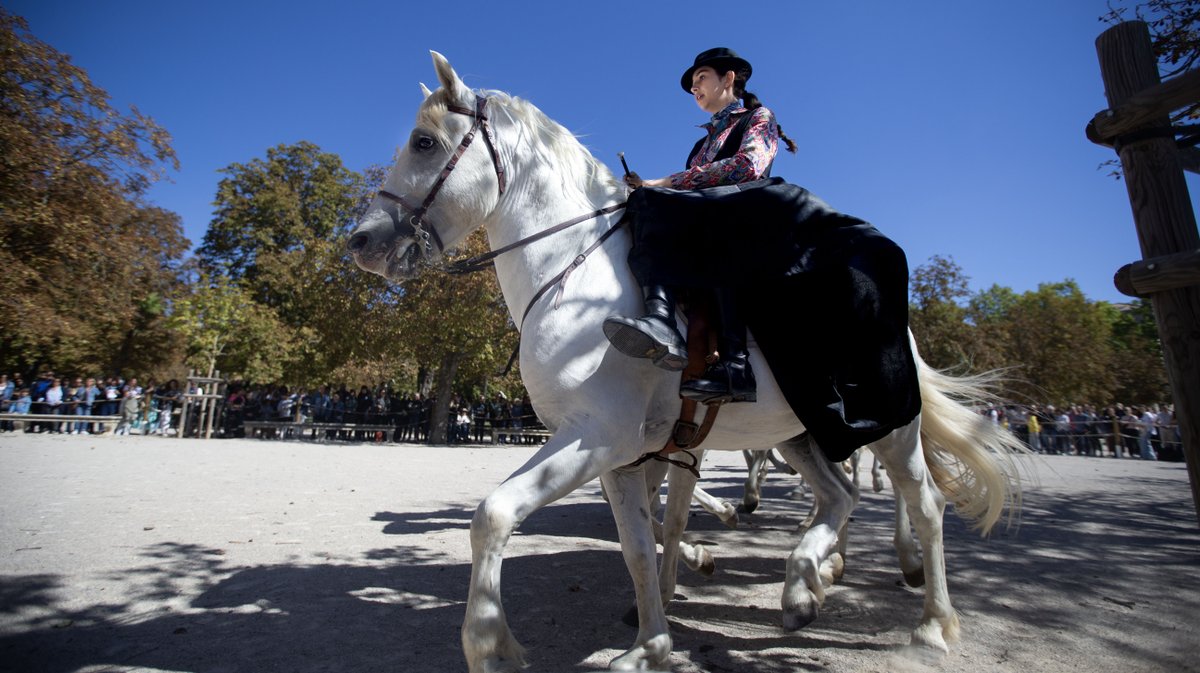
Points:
x=429 y=236
x=416 y=214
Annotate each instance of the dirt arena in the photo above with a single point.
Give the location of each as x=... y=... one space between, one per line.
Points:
x=154 y=554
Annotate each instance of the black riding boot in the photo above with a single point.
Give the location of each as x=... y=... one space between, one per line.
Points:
x=654 y=335
x=730 y=379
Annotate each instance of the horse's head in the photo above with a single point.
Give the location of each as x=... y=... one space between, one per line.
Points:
x=445 y=183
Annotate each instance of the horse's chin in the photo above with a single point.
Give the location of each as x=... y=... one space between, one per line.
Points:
x=402 y=262
x=399 y=263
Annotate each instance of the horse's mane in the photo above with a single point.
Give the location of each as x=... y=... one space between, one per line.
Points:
x=546 y=138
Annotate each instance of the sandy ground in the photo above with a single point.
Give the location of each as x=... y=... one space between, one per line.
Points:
x=150 y=554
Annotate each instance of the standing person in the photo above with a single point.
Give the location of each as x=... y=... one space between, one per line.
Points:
x=739 y=146
x=7 y=388
x=130 y=408
x=1146 y=430
x=1035 y=431
x=168 y=401
x=478 y=418
x=53 y=403
x=412 y=417
x=1064 y=433
x=21 y=404
x=112 y=398
x=87 y=396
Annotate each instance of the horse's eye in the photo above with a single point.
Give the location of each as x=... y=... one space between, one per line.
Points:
x=422 y=143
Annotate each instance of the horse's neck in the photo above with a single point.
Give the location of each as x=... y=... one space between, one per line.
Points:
x=543 y=204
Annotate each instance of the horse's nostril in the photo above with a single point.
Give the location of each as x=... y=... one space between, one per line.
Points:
x=357 y=242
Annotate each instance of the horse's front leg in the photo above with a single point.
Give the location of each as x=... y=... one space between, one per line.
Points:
x=557 y=469
x=626 y=488
x=811 y=566
x=904 y=459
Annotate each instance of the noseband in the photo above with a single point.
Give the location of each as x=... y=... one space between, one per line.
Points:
x=417 y=213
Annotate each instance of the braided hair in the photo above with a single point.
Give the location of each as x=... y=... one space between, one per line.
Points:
x=751 y=101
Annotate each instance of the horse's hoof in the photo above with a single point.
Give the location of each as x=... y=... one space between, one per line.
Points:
x=877 y=484
x=749 y=504
x=502 y=665
x=835 y=566
x=800 y=608
x=800 y=616
x=929 y=639
x=915 y=578
x=707 y=565
x=654 y=654
x=731 y=520
x=925 y=657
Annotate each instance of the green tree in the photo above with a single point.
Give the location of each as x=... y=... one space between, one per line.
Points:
x=296 y=195
x=1138 y=365
x=87 y=265
x=1063 y=343
x=938 y=320
x=226 y=331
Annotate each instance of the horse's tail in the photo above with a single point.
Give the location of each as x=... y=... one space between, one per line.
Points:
x=970 y=458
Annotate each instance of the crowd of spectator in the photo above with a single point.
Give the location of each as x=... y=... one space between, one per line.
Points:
x=148 y=408
x=1148 y=432
x=411 y=414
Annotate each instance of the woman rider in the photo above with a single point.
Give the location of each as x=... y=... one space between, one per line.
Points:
x=740 y=147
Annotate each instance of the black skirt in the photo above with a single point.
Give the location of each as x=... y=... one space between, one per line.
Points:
x=824 y=294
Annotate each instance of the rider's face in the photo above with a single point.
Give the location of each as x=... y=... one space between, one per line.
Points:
x=713 y=93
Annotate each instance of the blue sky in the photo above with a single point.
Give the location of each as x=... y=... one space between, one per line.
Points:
x=956 y=127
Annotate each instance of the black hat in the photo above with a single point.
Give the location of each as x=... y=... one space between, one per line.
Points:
x=718 y=56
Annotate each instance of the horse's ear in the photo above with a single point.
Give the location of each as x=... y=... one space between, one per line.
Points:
x=425 y=90
x=447 y=76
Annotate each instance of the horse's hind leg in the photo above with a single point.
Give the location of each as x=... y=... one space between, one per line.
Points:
x=876 y=473
x=834 y=498
x=757 y=466
x=904 y=458
x=906 y=548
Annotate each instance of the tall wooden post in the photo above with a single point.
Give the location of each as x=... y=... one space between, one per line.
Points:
x=1166 y=224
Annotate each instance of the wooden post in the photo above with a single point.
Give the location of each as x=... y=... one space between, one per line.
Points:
x=1166 y=224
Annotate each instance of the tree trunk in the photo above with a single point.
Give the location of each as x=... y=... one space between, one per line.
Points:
x=441 y=407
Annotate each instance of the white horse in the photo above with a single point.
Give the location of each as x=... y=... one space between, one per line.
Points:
x=605 y=410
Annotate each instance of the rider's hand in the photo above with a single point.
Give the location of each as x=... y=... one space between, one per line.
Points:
x=633 y=180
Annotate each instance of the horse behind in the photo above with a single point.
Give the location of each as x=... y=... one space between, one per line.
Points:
x=486 y=160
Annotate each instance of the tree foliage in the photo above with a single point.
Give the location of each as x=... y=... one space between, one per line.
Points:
x=274 y=205
x=938 y=319
x=227 y=331
x=88 y=266
x=1174 y=29
x=1054 y=345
